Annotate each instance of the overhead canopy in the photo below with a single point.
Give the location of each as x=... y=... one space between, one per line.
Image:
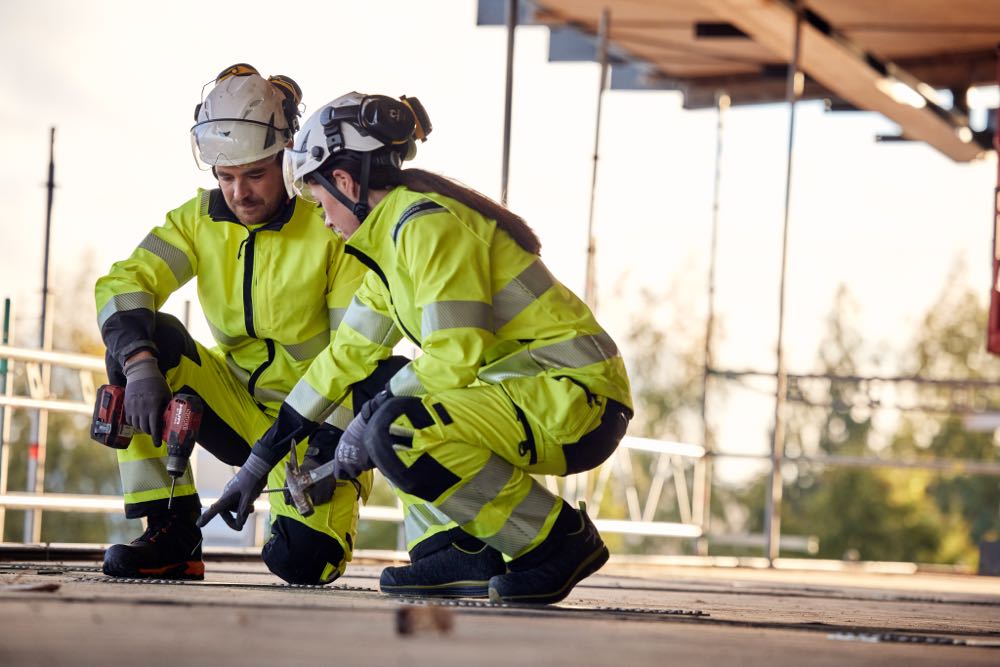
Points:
x=887 y=56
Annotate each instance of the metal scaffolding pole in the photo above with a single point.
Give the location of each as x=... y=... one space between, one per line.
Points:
x=512 y=9
x=590 y=286
x=702 y=493
x=7 y=389
x=772 y=517
x=40 y=419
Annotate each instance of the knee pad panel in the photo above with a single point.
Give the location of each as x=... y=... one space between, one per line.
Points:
x=426 y=478
x=300 y=555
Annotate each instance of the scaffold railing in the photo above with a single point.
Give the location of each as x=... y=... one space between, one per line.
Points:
x=642 y=501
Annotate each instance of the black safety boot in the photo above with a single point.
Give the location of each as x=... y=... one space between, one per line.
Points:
x=169 y=549
x=451 y=572
x=572 y=552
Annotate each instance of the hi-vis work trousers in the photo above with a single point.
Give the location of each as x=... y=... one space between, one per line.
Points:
x=301 y=550
x=462 y=460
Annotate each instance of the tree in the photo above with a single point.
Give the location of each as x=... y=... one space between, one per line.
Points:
x=868 y=513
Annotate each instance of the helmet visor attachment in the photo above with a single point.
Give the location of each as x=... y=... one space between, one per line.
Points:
x=230 y=142
x=295 y=175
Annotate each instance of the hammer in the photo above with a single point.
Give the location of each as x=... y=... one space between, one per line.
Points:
x=299 y=482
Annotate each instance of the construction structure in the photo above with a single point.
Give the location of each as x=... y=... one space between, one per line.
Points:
x=901 y=58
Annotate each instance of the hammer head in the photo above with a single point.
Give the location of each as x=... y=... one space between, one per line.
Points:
x=298 y=483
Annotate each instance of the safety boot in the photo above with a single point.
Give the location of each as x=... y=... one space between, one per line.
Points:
x=572 y=552
x=169 y=549
x=451 y=572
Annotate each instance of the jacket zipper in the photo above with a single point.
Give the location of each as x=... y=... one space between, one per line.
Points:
x=248 y=284
x=252 y=382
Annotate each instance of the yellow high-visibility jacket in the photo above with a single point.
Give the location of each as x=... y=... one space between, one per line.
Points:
x=480 y=308
x=273 y=294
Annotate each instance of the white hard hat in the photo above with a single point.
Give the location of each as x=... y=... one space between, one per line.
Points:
x=372 y=125
x=244 y=118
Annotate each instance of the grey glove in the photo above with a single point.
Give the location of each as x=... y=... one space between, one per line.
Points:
x=239 y=494
x=352 y=455
x=146 y=396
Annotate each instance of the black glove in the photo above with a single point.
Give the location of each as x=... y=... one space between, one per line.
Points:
x=146 y=396
x=352 y=454
x=239 y=494
x=320 y=451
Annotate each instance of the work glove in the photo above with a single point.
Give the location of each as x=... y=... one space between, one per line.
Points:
x=236 y=501
x=352 y=455
x=146 y=396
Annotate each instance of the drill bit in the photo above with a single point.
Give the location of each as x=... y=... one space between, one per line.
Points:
x=170 y=501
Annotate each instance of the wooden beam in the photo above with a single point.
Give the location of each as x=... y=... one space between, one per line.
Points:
x=842 y=68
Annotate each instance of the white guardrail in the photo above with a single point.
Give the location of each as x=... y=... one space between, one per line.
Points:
x=614 y=476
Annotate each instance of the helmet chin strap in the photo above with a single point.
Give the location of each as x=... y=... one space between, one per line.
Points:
x=360 y=208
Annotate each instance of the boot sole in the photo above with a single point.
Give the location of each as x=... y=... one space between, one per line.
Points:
x=452 y=589
x=589 y=566
x=192 y=570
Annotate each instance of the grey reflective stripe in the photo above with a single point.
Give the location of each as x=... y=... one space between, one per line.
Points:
x=265 y=395
x=420 y=519
x=223 y=338
x=374 y=326
x=465 y=504
x=241 y=374
x=336 y=317
x=308 y=402
x=149 y=475
x=424 y=207
x=455 y=315
x=171 y=255
x=122 y=302
x=525 y=521
x=308 y=349
x=261 y=394
x=520 y=293
x=406 y=383
x=574 y=353
x=340 y=417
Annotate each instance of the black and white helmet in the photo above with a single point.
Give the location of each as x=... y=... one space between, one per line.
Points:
x=381 y=130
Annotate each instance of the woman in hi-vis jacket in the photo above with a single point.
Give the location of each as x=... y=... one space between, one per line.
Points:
x=514 y=377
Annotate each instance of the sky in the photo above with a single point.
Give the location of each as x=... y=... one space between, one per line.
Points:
x=120 y=80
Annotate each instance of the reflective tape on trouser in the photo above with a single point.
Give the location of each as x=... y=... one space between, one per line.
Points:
x=421 y=520
x=495 y=488
x=471 y=445
x=143 y=469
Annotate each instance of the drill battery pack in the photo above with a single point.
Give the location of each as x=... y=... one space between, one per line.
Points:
x=109 y=427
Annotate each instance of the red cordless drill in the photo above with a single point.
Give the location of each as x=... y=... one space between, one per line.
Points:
x=181 y=421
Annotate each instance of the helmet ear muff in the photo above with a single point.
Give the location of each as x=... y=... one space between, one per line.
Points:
x=292 y=98
x=239 y=69
x=388 y=120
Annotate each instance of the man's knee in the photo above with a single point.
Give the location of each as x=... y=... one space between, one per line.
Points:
x=300 y=555
x=173 y=341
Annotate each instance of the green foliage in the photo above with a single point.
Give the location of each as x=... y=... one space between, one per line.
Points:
x=887 y=513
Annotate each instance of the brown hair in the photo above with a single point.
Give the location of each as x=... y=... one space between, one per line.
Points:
x=419 y=180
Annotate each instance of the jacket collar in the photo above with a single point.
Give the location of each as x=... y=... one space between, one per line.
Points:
x=219 y=211
x=370 y=238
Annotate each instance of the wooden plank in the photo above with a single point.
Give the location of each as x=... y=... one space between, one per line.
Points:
x=842 y=70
